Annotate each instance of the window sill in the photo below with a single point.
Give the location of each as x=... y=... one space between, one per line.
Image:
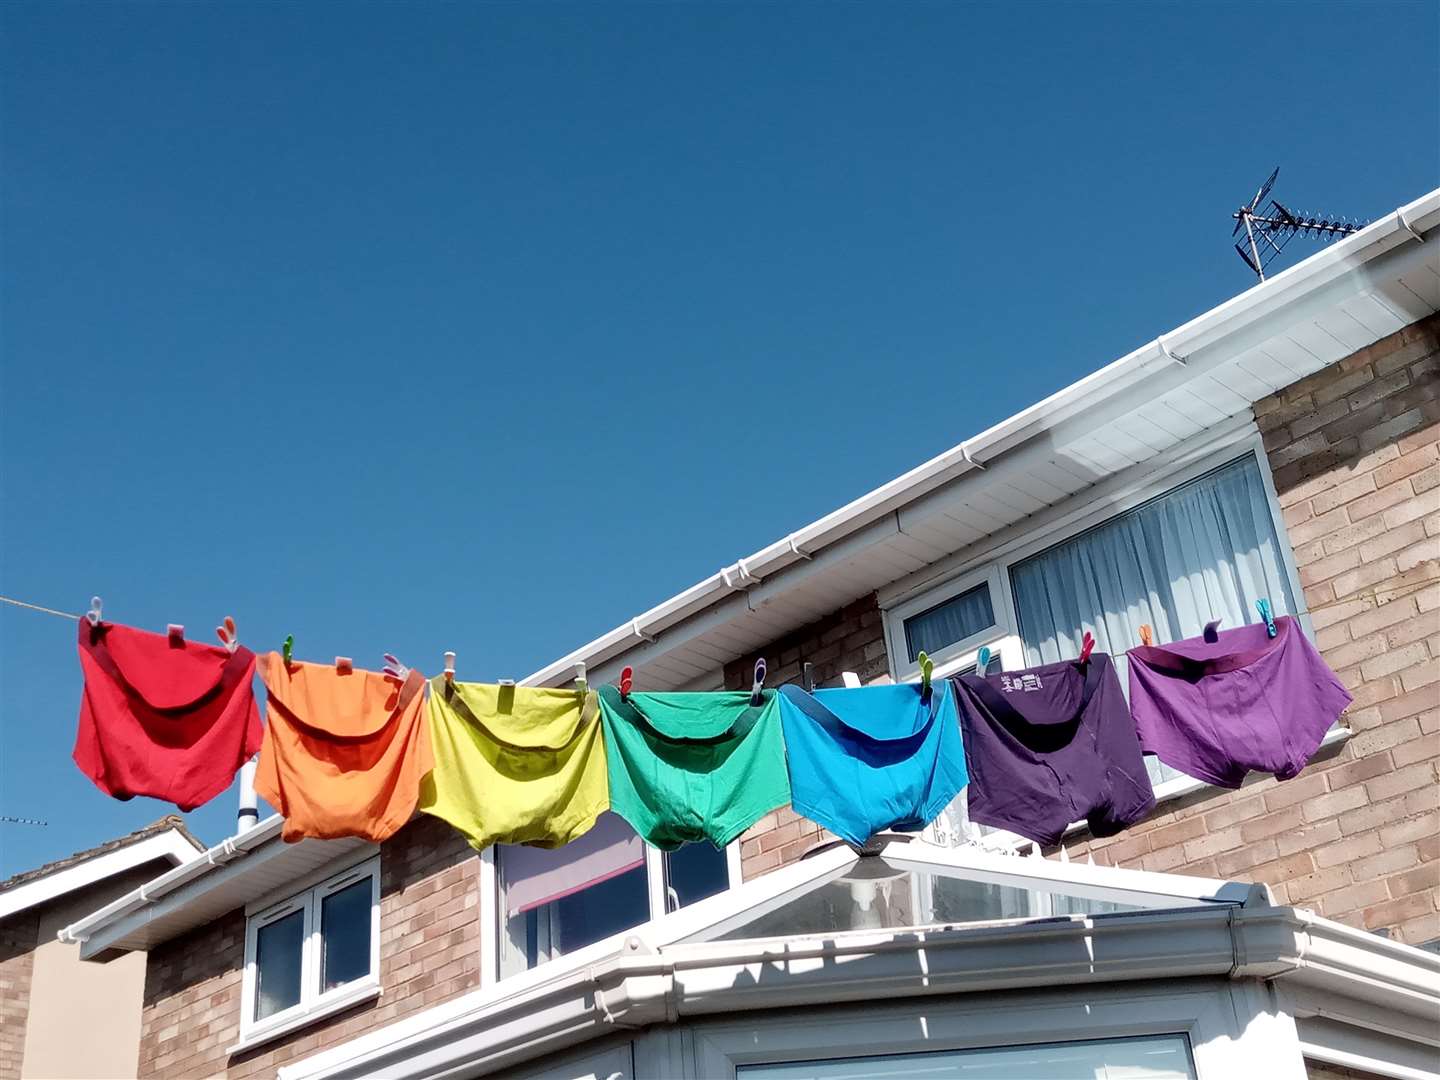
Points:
x=362 y=991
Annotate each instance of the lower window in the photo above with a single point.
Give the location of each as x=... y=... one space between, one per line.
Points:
x=1160 y=1057
x=312 y=948
x=553 y=902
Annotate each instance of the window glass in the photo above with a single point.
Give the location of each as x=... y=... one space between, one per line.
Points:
x=694 y=872
x=345 y=935
x=1156 y=1057
x=278 y=952
x=1206 y=550
x=946 y=623
x=573 y=921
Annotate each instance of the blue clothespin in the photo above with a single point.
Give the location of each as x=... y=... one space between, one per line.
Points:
x=927 y=668
x=756 y=696
x=982 y=660
x=1263 y=606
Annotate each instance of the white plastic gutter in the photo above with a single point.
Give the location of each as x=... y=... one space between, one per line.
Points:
x=228 y=850
x=1170 y=358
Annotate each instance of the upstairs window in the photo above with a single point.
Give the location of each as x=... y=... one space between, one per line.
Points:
x=316 y=951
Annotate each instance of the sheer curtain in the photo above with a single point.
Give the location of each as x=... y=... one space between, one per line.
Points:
x=1206 y=550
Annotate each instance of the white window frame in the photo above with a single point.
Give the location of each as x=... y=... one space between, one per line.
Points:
x=994 y=565
x=314 y=1003
x=492 y=917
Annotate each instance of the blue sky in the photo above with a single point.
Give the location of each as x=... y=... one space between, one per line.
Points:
x=423 y=326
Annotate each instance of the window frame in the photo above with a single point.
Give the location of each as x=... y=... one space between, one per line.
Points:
x=314 y=1003
x=492 y=915
x=995 y=563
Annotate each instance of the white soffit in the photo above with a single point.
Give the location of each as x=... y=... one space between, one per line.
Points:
x=238 y=870
x=1159 y=400
x=168 y=845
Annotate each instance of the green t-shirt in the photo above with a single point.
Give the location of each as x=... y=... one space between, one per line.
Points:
x=686 y=767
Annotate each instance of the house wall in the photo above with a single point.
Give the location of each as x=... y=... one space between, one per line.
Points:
x=63 y=987
x=17 y=961
x=429 y=951
x=1355 y=454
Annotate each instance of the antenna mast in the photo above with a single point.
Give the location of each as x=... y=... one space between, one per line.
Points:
x=1268 y=231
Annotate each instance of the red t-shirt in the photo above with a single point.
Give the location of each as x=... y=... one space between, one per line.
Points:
x=174 y=722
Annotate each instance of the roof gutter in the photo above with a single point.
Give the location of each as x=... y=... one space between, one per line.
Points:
x=228 y=850
x=1171 y=356
x=637 y=988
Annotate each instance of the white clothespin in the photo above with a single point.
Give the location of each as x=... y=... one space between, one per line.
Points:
x=505 y=682
x=344 y=665
x=580 y=683
x=394 y=669
x=226 y=633
x=176 y=633
x=758 y=686
x=849 y=679
x=1064 y=855
x=449 y=667
x=94 y=613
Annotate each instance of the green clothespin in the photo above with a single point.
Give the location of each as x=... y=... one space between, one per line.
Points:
x=927 y=667
x=287 y=648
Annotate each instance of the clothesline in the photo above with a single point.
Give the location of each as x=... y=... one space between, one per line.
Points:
x=38 y=607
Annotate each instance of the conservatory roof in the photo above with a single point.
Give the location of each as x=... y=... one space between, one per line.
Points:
x=907 y=920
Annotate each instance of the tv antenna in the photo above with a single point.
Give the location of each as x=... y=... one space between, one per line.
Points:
x=10 y=819
x=1268 y=231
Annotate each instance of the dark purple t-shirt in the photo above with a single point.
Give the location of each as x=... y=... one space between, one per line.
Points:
x=1051 y=745
x=1217 y=710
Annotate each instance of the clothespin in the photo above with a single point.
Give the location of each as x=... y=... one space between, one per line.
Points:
x=1263 y=606
x=1087 y=645
x=344 y=665
x=1147 y=635
x=287 y=649
x=394 y=669
x=758 y=686
x=807 y=677
x=226 y=633
x=1212 y=634
x=176 y=633
x=505 y=682
x=94 y=613
x=581 y=684
x=449 y=667
x=982 y=660
x=627 y=680
x=927 y=668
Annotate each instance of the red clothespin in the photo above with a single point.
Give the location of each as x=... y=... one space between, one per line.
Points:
x=226 y=633
x=343 y=665
x=1087 y=643
x=627 y=680
x=1147 y=635
x=176 y=633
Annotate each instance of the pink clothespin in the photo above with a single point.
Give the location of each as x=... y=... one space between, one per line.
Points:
x=394 y=669
x=343 y=665
x=226 y=633
x=176 y=633
x=1087 y=643
x=627 y=680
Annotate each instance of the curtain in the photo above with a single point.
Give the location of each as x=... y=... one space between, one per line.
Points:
x=1206 y=550
x=954 y=620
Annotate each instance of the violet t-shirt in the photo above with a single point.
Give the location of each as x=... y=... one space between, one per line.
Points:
x=1051 y=745
x=1217 y=710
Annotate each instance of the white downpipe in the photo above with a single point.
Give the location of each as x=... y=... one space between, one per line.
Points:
x=249 y=814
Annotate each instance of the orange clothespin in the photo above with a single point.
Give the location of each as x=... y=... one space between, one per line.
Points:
x=1147 y=636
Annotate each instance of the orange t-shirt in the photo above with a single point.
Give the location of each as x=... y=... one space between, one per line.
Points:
x=344 y=754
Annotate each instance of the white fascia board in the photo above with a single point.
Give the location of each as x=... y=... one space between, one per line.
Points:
x=1203 y=343
x=99 y=924
x=169 y=844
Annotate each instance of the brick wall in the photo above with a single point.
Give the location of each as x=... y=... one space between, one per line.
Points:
x=17 y=958
x=1355 y=452
x=429 y=951
x=851 y=639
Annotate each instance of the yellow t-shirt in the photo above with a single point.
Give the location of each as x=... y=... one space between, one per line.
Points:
x=515 y=764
